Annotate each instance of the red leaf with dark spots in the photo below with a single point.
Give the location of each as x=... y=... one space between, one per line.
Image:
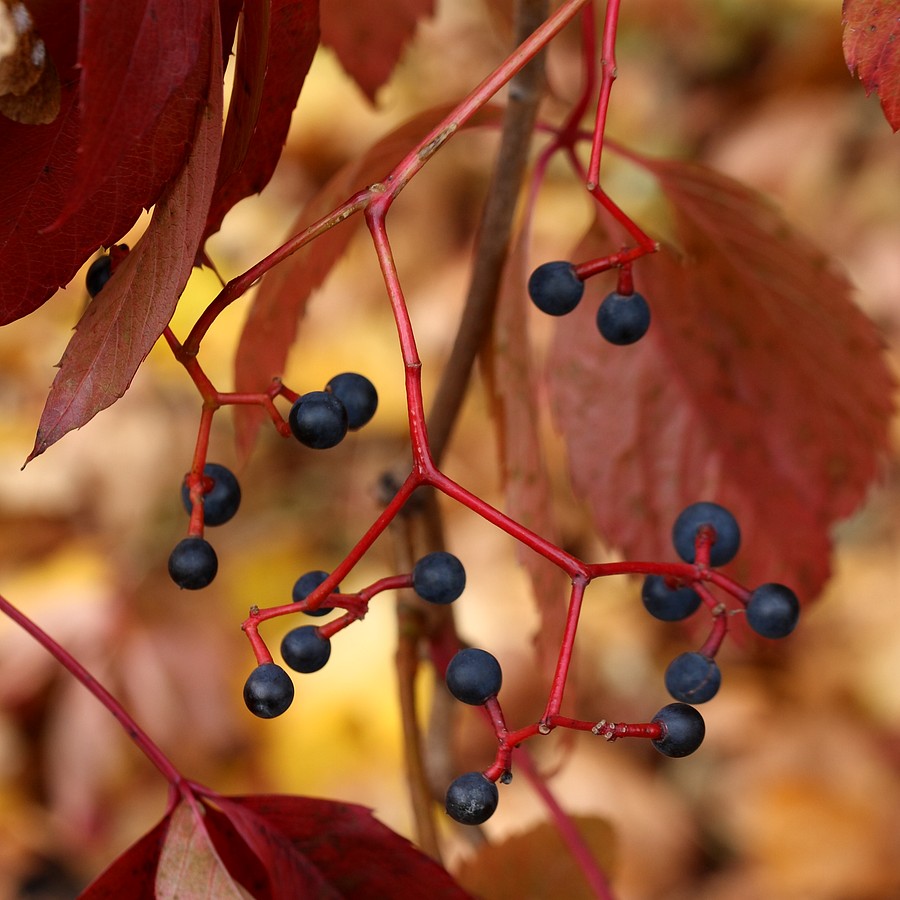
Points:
x=274 y=53
x=369 y=38
x=760 y=385
x=127 y=317
x=872 y=50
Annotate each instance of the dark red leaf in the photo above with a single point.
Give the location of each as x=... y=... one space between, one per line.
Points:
x=872 y=50
x=38 y=165
x=760 y=385
x=135 y=59
x=132 y=874
x=275 y=50
x=369 y=37
x=357 y=856
x=279 y=304
x=129 y=314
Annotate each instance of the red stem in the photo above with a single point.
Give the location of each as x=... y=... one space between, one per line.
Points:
x=132 y=729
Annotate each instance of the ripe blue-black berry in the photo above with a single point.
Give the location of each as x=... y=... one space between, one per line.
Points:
x=473 y=676
x=439 y=577
x=358 y=395
x=318 y=420
x=305 y=650
x=623 y=318
x=773 y=610
x=555 y=289
x=98 y=274
x=193 y=563
x=668 y=604
x=683 y=730
x=693 y=678
x=471 y=799
x=711 y=515
x=305 y=585
x=268 y=691
x=222 y=500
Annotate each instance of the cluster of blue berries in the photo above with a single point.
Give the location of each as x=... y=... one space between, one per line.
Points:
x=772 y=610
x=556 y=289
x=269 y=691
x=319 y=420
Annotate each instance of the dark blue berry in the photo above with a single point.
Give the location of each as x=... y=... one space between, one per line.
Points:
x=707 y=515
x=193 y=563
x=668 y=604
x=318 y=420
x=222 y=500
x=305 y=650
x=358 y=395
x=693 y=678
x=305 y=585
x=473 y=676
x=471 y=799
x=623 y=318
x=439 y=577
x=683 y=730
x=98 y=274
x=773 y=610
x=268 y=691
x=555 y=289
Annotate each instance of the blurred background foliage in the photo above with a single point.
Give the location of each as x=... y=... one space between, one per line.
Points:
x=795 y=792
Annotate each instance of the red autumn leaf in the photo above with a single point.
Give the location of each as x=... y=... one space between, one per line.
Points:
x=760 y=385
x=273 y=848
x=125 y=320
x=274 y=53
x=38 y=165
x=278 y=306
x=872 y=50
x=369 y=38
x=513 y=391
x=135 y=61
x=357 y=856
x=132 y=874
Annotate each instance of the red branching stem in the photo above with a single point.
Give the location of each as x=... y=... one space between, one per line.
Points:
x=195 y=479
x=717 y=634
x=132 y=729
x=413 y=366
x=320 y=595
x=625 y=284
x=567 y=829
x=608 y=73
x=518 y=59
x=238 y=286
x=554 y=702
x=703 y=545
x=568 y=563
x=250 y=627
